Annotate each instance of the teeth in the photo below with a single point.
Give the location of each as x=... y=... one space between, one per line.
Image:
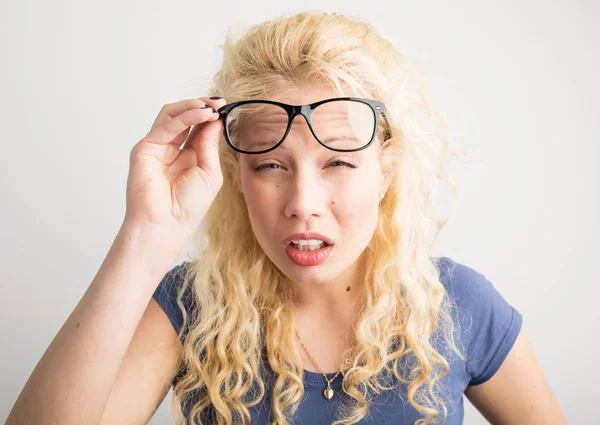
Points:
x=308 y=245
x=308 y=242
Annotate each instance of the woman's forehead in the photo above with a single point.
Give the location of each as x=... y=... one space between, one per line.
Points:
x=302 y=93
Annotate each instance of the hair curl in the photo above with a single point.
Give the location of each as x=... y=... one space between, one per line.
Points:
x=243 y=296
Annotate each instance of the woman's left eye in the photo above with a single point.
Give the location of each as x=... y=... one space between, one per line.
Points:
x=344 y=163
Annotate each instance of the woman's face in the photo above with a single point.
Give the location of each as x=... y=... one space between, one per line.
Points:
x=301 y=186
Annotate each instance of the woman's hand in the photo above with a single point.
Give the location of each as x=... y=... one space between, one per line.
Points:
x=170 y=189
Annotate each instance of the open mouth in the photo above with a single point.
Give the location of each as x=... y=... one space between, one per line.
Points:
x=308 y=253
x=310 y=246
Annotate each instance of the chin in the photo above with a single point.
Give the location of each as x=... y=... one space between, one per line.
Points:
x=303 y=274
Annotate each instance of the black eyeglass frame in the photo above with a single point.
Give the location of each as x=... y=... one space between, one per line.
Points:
x=306 y=111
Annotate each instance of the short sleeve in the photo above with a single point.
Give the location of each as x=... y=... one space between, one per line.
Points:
x=166 y=296
x=493 y=324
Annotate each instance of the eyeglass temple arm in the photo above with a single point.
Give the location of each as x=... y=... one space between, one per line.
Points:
x=384 y=115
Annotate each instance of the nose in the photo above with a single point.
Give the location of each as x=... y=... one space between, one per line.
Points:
x=307 y=195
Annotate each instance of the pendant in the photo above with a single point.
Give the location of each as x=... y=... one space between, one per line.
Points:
x=328 y=392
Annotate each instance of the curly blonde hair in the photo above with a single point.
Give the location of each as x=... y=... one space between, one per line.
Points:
x=243 y=297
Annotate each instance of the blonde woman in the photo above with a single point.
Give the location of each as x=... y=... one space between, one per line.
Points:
x=307 y=178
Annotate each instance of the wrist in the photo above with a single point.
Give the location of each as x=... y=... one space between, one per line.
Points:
x=149 y=245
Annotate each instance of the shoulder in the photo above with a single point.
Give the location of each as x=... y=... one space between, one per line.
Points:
x=173 y=277
x=167 y=291
x=466 y=286
x=168 y=287
x=488 y=323
x=458 y=277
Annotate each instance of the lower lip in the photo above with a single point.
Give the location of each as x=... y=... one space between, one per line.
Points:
x=308 y=258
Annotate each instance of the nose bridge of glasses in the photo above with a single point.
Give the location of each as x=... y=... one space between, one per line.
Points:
x=306 y=111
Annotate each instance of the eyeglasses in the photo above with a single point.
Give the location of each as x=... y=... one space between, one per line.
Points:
x=343 y=124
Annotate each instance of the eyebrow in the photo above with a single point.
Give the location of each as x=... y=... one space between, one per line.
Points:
x=330 y=139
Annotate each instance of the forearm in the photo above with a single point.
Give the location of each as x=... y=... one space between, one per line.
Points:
x=72 y=381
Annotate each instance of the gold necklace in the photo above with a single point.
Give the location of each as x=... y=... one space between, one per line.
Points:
x=328 y=391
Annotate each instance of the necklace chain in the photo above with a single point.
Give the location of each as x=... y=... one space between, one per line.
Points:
x=328 y=392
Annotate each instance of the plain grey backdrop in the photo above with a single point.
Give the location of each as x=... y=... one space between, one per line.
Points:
x=81 y=83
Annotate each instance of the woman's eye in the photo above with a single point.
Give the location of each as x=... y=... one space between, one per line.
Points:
x=335 y=164
x=270 y=165
x=343 y=163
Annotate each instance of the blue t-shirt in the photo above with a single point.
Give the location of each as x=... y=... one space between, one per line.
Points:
x=485 y=323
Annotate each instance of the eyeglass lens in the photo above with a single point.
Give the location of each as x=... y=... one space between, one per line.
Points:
x=340 y=124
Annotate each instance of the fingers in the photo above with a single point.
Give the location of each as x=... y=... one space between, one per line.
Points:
x=172 y=110
x=169 y=131
x=174 y=120
x=216 y=103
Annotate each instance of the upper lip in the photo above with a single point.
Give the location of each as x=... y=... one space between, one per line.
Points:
x=306 y=236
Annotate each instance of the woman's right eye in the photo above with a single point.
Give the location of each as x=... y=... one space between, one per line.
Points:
x=270 y=165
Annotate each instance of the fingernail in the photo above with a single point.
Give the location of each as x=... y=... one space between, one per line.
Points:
x=215 y=97
x=207 y=106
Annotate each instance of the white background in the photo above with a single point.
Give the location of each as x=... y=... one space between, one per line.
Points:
x=81 y=83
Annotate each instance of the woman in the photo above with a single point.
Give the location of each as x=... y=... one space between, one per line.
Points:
x=316 y=300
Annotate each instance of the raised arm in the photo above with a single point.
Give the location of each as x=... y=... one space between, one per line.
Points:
x=174 y=177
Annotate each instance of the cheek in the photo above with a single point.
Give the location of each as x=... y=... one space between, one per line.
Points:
x=356 y=203
x=258 y=200
x=250 y=187
x=357 y=192
x=258 y=197
x=260 y=214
